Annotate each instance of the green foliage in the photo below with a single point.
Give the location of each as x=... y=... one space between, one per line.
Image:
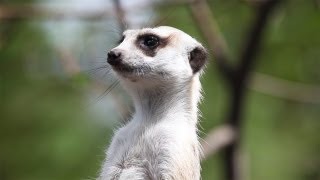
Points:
x=45 y=132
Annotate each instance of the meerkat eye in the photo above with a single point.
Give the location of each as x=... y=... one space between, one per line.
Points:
x=150 y=41
x=121 y=40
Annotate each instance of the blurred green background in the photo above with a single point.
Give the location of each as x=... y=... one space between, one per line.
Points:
x=55 y=125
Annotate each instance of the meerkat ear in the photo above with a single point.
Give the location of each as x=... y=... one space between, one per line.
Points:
x=198 y=58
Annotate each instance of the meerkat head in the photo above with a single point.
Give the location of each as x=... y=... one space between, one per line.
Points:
x=157 y=55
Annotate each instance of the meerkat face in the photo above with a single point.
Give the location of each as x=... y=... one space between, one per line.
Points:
x=157 y=55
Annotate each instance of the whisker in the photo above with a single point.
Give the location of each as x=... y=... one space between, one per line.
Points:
x=106 y=73
x=116 y=84
x=107 y=91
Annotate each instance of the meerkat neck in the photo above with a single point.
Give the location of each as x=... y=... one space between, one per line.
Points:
x=164 y=103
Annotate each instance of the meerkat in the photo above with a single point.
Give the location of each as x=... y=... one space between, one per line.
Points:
x=160 y=68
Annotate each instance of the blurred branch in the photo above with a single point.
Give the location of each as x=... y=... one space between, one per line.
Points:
x=208 y=27
x=31 y=11
x=316 y=3
x=224 y=135
x=217 y=139
x=293 y=91
x=120 y=14
x=253 y=42
x=247 y=59
x=236 y=77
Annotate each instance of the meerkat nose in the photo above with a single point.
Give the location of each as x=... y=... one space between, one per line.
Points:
x=114 y=57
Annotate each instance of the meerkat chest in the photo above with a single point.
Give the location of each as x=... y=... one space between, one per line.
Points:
x=141 y=139
x=160 y=148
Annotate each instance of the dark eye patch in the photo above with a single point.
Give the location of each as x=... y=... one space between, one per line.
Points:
x=149 y=43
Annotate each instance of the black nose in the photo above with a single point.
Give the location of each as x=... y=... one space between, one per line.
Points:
x=114 y=57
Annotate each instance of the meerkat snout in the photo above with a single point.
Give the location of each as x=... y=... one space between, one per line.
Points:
x=114 y=57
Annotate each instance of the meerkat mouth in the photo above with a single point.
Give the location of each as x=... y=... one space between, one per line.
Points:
x=123 y=68
x=132 y=71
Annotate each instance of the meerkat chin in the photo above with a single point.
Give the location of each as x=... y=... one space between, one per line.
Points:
x=159 y=67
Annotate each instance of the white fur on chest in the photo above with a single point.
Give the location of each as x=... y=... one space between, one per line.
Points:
x=155 y=151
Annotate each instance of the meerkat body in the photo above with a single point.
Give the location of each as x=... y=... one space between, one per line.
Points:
x=159 y=67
